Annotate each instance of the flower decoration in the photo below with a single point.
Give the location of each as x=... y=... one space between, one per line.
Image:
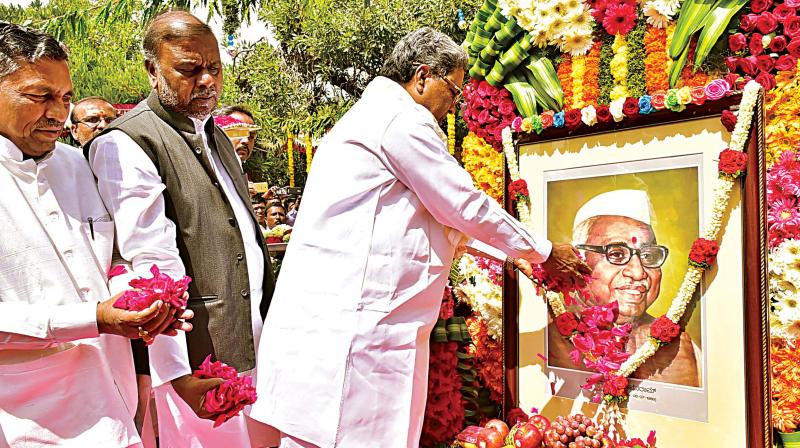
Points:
x=703 y=253
x=488 y=110
x=566 y=323
x=229 y=398
x=484 y=164
x=518 y=189
x=664 y=330
x=732 y=163
x=561 y=23
x=146 y=291
x=618 y=17
x=234 y=128
x=728 y=120
x=278 y=234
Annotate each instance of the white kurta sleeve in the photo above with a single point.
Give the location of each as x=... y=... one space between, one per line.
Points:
x=131 y=189
x=27 y=326
x=418 y=157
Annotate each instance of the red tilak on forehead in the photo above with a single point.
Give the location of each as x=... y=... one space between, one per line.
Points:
x=633 y=240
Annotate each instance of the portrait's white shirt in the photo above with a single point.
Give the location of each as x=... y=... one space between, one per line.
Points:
x=53 y=272
x=344 y=356
x=132 y=189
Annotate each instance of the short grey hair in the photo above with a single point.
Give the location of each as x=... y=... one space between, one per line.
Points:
x=580 y=234
x=423 y=46
x=22 y=44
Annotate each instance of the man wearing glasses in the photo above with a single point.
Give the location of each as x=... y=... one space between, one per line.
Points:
x=89 y=117
x=614 y=232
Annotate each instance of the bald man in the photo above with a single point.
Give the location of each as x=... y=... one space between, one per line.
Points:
x=90 y=116
x=179 y=198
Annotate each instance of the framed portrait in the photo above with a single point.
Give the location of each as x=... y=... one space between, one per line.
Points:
x=633 y=201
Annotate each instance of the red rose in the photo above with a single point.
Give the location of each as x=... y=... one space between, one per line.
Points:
x=766 y=80
x=732 y=62
x=572 y=119
x=731 y=78
x=728 y=120
x=786 y=62
x=698 y=95
x=566 y=323
x=737 y=42
x=547 y=119
x=759 y=6
x=782 y=12
x=748 y=65
x=664 y=329
x=791 y=26
x=794 y=47
x=631 y=107
x=603 y=114
x=756 y=44
x=748 y=22
x=765 y=63
x=732 y=163
x=703 y=253
x=778 y=44
x=506 y=107
x=615 y=385
x=792 y=3
x=766 y=23
x=518 y=188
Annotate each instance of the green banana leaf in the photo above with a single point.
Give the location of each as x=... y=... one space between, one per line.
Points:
x=690 y=20
x=546 y=82
x=677 y=67
x=524 y=95
x=714 y=25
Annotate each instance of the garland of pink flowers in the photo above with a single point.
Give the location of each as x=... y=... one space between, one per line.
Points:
x=597 y=341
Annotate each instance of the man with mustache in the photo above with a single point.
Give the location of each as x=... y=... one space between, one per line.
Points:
x=176 y=189
x=89 y=117
x=614 y=231
x=66 y=372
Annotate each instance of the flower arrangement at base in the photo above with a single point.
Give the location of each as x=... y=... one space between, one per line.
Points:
x=488 y=355
x=229 y=398
x=482 y=291
x=278 y=234
x=785 y=358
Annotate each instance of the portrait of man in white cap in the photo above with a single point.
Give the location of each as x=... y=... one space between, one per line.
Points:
x=615 y=232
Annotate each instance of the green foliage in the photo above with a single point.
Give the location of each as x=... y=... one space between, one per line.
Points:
x=105 y=59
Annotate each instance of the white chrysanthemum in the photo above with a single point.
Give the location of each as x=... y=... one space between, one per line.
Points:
x=557 y=28
x=654 y=16
x=576 y=44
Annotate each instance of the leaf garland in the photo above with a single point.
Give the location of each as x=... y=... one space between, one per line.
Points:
x=637 y=83
x=605 y=79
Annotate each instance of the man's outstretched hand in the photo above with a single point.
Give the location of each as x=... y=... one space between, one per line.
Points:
x=565 y=266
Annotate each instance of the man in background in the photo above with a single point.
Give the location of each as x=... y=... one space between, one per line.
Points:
x=275 y=215
x=89 y=117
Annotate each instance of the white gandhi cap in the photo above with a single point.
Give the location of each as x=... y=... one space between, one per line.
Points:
x=634 y=204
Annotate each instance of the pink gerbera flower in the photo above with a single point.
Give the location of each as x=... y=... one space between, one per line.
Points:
x=619 y=18
x=783 y=218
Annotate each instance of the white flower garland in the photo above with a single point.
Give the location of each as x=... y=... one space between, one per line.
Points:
x=784 y=290
x=482 y=295
x=523 y=207
x=711 y=232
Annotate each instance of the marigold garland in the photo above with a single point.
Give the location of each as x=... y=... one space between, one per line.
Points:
x=578 y=75
x=591 y=88
x=655 y=62
x=785 y=358
x=309 y=152
x=451 y=133
x=619 y=68
x=564 y=73
x=783 y=108
x=488 y=355
x=637 y=84
x=290 y=156
x=484 y=164
x=670 y=33
x=605 y=79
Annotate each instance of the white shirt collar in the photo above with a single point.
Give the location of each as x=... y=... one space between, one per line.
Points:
x=199 y=125
x=8 y=150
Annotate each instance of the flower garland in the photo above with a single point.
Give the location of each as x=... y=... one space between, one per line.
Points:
x=290 y=157
x=670 y=33
x=785 y=407
x=577 y=75
x=783 y=199
x=451 y=133
x=619 y=68
x=636 y=82
x=309 y=152
x=690 y=77
x=488 y=354
x=483 y=291
x=605 y=78
x=484 y=164
x=702 y=255
x=655 y=61
x=564 y=73
x=591 y=88
x=523 y=207
x=488 y=110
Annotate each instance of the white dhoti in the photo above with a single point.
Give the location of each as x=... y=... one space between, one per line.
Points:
x=33 y=397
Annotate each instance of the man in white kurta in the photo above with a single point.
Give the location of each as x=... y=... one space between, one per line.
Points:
x=62 y=382
x=344 y=354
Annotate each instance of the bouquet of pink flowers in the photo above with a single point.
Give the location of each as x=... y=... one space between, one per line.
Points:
x=148 y=290
x=229 y=398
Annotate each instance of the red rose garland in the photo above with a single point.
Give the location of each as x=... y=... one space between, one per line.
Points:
x=229 y=398
x=703 y=253
x=518 y=189
x=732 y=163
x=664 y=330
x=566 y=323
x=487 y=110
x=728 y=120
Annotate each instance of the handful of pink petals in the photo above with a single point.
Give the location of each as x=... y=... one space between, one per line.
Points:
x=229 y=398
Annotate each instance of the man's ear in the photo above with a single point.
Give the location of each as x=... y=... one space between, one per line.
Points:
x=74 y=131
x=423 y=71
x=152 y=73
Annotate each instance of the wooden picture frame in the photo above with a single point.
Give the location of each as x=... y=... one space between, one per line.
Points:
x=755 y=301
